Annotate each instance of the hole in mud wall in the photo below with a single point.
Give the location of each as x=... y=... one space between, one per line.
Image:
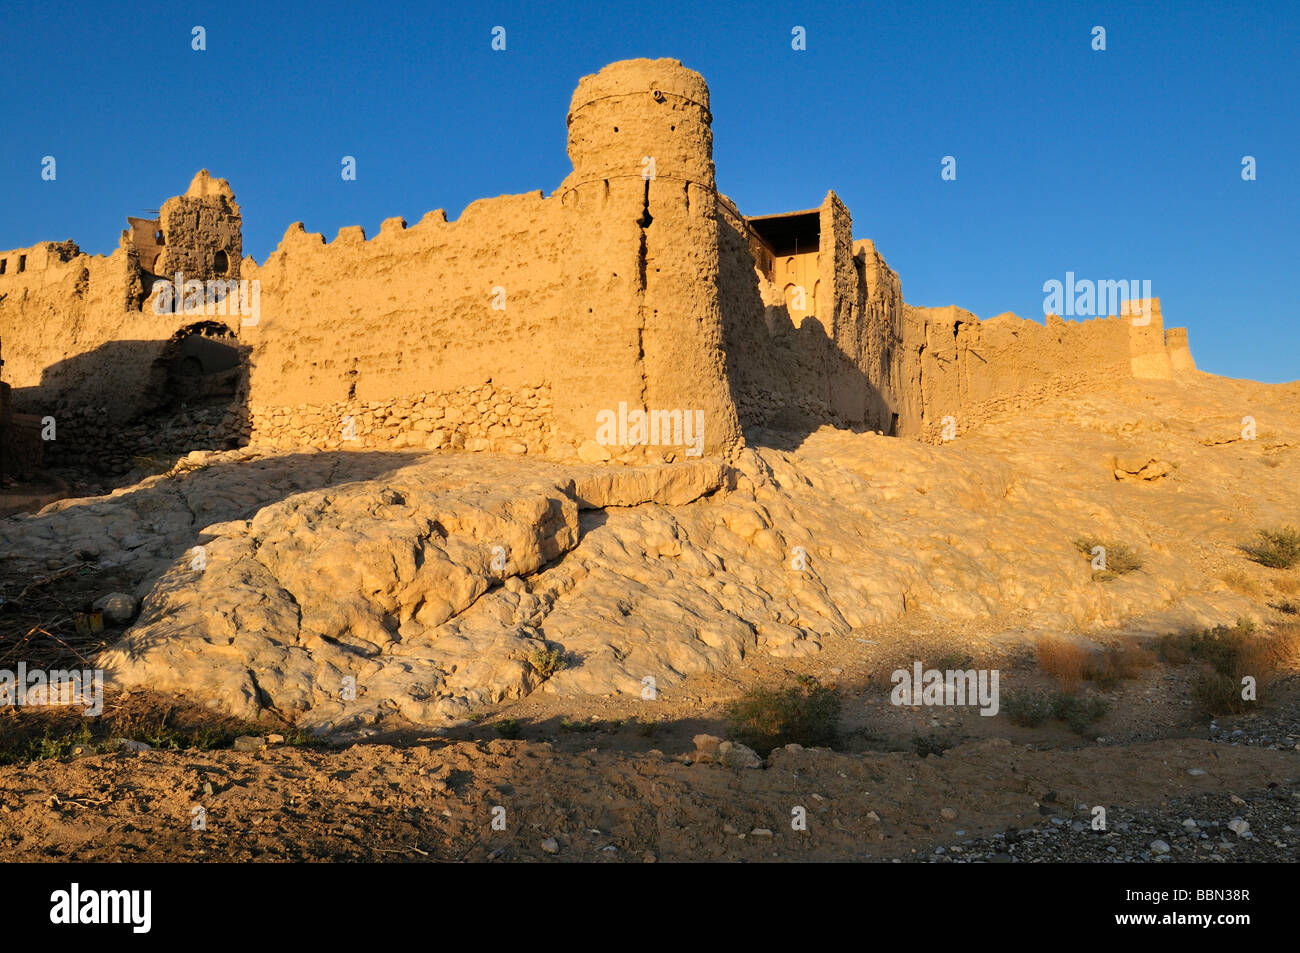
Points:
x=221 y=263
x=201 y=362
x=198 y=395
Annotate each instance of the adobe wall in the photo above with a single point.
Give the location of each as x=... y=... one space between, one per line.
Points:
x=607 y=295
x=869 y=361
x=789 y=370
x=777 y=364
x=880 y=302
x=79 y=330
x=1180 y=354
x=951 y=363
x=67 y=328
x=357 y=337
x=355 y=326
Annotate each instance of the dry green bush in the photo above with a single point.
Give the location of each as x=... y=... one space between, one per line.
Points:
x=767 y=717
x=1120 y=558
x=1277 y=548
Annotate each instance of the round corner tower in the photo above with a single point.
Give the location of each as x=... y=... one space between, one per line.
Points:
x=634 y=109
x=642 y=262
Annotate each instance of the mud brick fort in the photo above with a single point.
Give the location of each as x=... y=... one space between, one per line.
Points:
x=512 y=328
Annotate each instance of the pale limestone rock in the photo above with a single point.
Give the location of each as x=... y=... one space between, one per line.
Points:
x=592 y=452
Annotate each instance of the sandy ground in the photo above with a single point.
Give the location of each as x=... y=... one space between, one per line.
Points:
x=438 y=801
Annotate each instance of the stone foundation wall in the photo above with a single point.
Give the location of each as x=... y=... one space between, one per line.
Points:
x=484 y=417
x=87 y=436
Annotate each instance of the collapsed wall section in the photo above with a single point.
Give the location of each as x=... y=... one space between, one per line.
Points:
x=84 y=347
x=201 y=231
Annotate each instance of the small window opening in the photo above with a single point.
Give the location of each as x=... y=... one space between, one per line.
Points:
x=22 y=262
x=3 y=263
x=221 y=263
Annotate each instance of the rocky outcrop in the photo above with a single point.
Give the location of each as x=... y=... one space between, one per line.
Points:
x=344 y=589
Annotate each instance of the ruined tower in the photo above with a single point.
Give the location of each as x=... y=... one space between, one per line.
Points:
x=641 y=210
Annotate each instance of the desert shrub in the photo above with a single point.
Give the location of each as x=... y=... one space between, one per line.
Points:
x=1120 y=558
x=1218 y=694
x=1229 y=654
x=1079 y=712
x=160 y=728
x=54 y=745
x=1026 y=708
x=1172 y=649
x=1240 y=582
x=1116 y=664
x=1284 y=648
x=1277 y=549
x=1222 y=648
x=1063 y=660
x=1029 y=709
x=926 y=745
x=581 y=725
x=509 y=728
x=766 y=717
x=547 y=661
x=1286 y=585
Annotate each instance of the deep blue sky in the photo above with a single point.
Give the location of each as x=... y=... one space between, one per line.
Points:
x=1122 y=164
